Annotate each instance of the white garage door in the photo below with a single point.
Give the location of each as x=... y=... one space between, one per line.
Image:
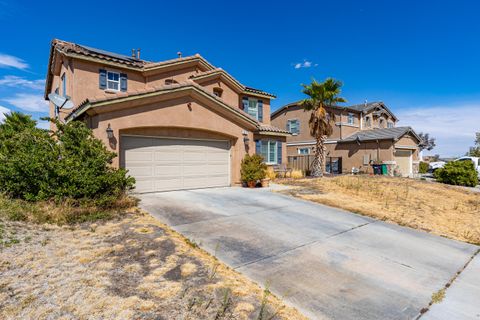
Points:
x=161 y=164
x=404 y=161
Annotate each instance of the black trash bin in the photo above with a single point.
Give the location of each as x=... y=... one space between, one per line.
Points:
x=377 y=169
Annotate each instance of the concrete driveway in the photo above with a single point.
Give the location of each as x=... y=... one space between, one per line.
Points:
x=328 y=263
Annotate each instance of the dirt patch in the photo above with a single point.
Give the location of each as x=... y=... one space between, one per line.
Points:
x=433 y=207
x=132 y=267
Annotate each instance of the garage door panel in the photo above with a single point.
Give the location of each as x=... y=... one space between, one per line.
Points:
x=140 y=171
x=168 y=156
x=139 y=155
x=161 y=164
x=192 y=156
x=217 y=169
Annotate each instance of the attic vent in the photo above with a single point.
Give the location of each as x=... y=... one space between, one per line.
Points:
x=170 y=82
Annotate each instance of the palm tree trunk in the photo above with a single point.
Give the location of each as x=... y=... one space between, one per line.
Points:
x=318 y=164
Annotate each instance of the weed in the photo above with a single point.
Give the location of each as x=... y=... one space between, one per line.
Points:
x=264 y=314
x=225 y=305
x=44 y=242
x=438 y=296
x=191 y=243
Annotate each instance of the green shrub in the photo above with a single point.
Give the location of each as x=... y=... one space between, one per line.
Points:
x=423 y=167
x=253 y=168
x=460 y=173
x=68 y=164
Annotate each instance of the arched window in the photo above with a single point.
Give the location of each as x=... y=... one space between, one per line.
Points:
x=218 y=92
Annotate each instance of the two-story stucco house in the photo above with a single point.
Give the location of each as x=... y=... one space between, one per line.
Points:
x=363 y=134
x=175 y=124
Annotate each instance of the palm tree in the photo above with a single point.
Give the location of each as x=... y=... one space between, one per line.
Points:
x=320 y=96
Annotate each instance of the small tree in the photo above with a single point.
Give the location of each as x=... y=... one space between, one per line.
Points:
x=426 y=142
x=253 y=168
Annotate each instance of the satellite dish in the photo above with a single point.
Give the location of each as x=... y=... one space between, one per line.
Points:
x=60 y=102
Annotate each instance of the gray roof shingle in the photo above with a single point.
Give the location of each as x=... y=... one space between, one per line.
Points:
x=379 y=134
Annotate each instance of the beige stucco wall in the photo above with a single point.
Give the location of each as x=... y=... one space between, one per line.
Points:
x=83 y=83
x=179 y=75
x=175 y=118
x=409 y=141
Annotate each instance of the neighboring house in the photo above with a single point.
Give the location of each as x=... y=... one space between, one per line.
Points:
x=362 y=134
x=175 y=124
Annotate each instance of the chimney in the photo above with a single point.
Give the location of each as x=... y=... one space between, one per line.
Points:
x=133 y=53
x=366 y=102
x=179 y=54
x=138 y=53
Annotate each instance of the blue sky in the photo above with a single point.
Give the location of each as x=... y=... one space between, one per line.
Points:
x=420 y=57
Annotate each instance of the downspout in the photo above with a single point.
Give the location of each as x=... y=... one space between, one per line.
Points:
x=378 y=150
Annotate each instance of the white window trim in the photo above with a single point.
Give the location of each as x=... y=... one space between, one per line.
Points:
x=63 y=80
x=351 y=116
x=290 y=128
x=308 y=149
x=275 y=161
x=256 y=107
x=119 y=81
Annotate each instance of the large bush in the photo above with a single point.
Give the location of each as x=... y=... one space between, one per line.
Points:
x=461 y=173
x=70 y=163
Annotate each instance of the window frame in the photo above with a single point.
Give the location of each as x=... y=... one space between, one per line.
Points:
x=390 y=124
x=352 y=117
x=368 y=121
x=256 y=107
x=114 y=81
x=63 y=80
x=289 y=126
x=299 y=151
x=266 y=157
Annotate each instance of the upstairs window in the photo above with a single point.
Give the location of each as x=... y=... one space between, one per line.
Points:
x=218 y=92
x=381 y=123
x=253 y=107
x=113 y=81
x=390 y=124
x=64 y=85
x=351 y=119
x=293 y=126
x=368 y=122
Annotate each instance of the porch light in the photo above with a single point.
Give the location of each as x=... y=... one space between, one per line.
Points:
x=109 y=132
x=245 y=137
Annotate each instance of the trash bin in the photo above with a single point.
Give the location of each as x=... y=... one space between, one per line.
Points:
x=384 y=169
x=377 y=169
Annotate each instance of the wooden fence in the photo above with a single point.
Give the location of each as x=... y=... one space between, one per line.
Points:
x=304 y=163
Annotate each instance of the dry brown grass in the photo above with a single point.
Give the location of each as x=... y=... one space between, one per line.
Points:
x=129 y=267
x=437 y=208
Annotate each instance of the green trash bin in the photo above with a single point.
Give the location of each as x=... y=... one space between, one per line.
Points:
x=384 y=169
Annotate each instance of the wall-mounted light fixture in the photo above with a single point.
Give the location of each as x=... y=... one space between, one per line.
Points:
x=109 y=132
x=245 y=137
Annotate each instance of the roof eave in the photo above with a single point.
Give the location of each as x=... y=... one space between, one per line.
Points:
x=87 y=105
